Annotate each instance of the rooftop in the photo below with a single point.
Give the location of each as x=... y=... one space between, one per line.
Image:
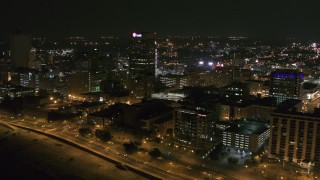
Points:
x=89 y=104
x=248 y=128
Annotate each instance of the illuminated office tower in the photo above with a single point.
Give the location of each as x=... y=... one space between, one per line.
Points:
x=194 y=129
x=142 y=65
x=286 y=84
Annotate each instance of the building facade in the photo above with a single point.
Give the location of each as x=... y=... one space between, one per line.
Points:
x=286 y=84
x=20 y=46
x=248 y=136
x=295 y=137
x=142 y=65
x=194 y=129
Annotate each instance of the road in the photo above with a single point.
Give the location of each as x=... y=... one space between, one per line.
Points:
x=114 y=156
x=69 y=131
x=28 y=155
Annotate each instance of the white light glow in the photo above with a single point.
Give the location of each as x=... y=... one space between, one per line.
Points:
x=136 y=35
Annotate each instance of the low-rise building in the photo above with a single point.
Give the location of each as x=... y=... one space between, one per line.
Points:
x=16 y=91
x=246 y=136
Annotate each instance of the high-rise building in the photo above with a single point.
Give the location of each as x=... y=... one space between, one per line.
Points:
x=20 y=47
x=194 y=129
x=195 y=121
x=142 y=62
x=95 y=79
x=295 y=136
x=286 y=84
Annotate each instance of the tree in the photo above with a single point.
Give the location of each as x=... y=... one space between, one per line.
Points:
x=130 y=147
x=103 y=135
x=233 y=160
x=169 y=132
x=85 y=132
x=218 y=150
x=157 y=140
x=155 y=153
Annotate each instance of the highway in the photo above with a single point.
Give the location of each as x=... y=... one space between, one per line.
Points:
x=69 y=132
x=98 y=149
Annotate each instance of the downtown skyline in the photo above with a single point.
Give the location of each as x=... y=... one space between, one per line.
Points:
x=144 y=89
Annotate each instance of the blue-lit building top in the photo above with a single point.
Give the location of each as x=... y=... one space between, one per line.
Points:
x=286 y=84
x=291 y=75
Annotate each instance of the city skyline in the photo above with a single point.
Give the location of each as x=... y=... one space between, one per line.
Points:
x=159 y=90
x=207 y=18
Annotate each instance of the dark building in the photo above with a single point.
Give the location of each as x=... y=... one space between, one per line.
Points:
x=236 y=93
x=5 y=70
x=78 y=83
x=142 y=64
x=222 y=76
x=143 y=115
x=286 y=84
x=20 y=47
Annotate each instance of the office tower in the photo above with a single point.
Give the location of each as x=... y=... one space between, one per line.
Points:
x=95 y=79
x=142 y=65
x=20 y=47
x=295 y=137
x=194 y=129
x=194 y=122
x=286 y=84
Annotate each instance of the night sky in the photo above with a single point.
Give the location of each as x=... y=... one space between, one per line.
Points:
x=253 y=18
